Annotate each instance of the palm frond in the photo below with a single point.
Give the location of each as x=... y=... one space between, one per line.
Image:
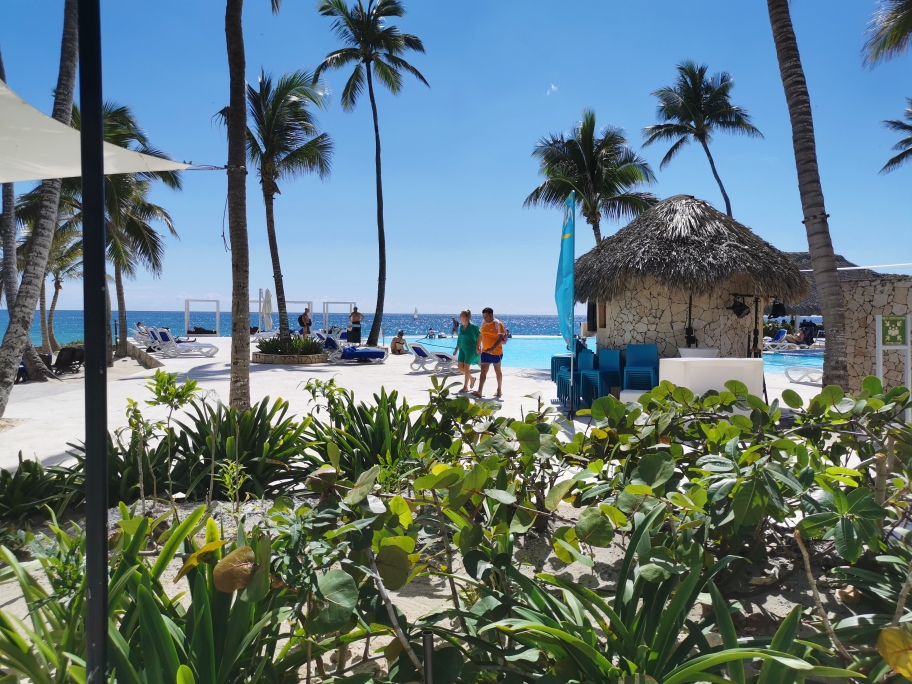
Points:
x=904 y=146
x=889 y=32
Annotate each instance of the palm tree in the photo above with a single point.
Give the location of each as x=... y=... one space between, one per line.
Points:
x=283 y=142
x=599 y=167
x=10 y=281
x=905 y=145
x=694 y=108
x=890 y=32
x=64 y=263
x=820 y=245
x=16 y=337
x=375 y=48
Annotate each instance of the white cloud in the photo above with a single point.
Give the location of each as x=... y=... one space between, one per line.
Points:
x=552 y=89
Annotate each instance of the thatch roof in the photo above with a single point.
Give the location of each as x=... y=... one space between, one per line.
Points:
x=689 y=246
x=810 y=305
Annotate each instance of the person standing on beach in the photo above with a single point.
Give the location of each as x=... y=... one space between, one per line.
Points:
x=305 y=322
x=490 y=344
x=455 y=328
x=467 y=348
x=354 y=335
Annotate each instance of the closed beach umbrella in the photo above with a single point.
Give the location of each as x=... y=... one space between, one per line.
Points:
x=267 y=310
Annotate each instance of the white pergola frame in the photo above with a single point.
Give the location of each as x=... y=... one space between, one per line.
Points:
x=218 y=317
x=326 y=305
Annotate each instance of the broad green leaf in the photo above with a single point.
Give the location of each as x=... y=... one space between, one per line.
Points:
x=617 y=517
x=522 y=521
x=655 y=469
x=407 y=544
x=792 y=399
x=332 y=451
x=185 y=675
x=528 y=436
x=556 y=494
x=594 y=528
x=447 y=665
x=737 y=387
x=749 y=502
x=638 y=490
x=872 y=385
x=817 y=524
x=363 y=486
x=567 y=535
x=393 y=566
x=848 y=544
x=338 y=596
x=831 y=395
x=502 y=496
x=400 y=508
x=742 y=422
x=840 y=501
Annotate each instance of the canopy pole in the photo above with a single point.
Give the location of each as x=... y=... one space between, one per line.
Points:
x=96 y=358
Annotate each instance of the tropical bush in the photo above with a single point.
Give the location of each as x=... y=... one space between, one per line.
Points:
x=692 y=487
x=293 y=346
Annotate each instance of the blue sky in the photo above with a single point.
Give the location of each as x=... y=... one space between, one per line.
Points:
x=456 y=157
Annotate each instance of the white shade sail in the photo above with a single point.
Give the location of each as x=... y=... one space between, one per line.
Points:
x=33 y=146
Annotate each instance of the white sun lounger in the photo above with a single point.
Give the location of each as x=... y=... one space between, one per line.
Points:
x=173 y=349
x=424 y=360
x=804 y=374
x=446 y=363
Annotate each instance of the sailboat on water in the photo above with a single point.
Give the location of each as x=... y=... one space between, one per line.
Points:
x=415 y=316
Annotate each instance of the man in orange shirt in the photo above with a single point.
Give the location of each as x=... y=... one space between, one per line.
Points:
x=490 y=346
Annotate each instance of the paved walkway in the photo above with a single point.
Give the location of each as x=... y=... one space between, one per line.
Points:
x=50 y=415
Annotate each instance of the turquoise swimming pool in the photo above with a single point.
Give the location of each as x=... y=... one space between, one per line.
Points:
x=535 y=351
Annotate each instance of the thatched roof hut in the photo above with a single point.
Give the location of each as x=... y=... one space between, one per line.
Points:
x=810 y=305
x=686 y=245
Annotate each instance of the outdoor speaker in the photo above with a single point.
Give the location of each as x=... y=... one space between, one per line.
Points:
x=778 y=310
x=740 y=309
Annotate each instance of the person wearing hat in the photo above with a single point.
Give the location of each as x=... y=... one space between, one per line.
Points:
x=397 y=346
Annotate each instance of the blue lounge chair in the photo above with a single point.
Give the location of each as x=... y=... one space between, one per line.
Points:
x=641 y=372
x=598 y=382
x=339 y=354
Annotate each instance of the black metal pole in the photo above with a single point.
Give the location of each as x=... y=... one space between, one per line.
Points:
x=95 y=321
x=428 y=638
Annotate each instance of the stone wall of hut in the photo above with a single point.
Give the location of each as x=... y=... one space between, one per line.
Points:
x=864 y=300
x=652 y=314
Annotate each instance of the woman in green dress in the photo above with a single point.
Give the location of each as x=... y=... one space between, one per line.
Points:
x=467 y=348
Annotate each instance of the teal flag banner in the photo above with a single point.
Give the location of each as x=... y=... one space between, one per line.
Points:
x=564 y=293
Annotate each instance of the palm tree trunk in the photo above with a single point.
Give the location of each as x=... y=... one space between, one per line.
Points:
x=16 y=338
x=377 y=324
x=815 y=217
x=284 y=330
x=55 y=345
x=712 y=165
x=239 y=392
x=42 y=312
x=108 y=344
x=594 y=221
x=121 y=350
x=37 y=370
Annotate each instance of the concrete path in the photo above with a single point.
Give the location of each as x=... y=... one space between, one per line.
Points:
x=45 y=417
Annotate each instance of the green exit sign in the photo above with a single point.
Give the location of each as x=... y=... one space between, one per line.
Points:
x=893 y=331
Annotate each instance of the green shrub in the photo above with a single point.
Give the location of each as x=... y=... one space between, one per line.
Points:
x=31 y=487
x=294 y=346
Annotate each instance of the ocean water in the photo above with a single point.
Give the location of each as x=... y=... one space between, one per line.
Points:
x=68 y=325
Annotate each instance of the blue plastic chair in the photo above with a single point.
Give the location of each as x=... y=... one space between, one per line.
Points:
x=598 y=383
x=559 y=362
x=641 y=372
x=585 y=361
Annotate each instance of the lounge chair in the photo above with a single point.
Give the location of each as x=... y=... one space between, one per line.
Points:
x=641 y=371
x=424 y=360
x=173 y=349
x=446 y=363
x=66 y=361
x=340 y=354
x=776 y=343
x=585 y=361
x=804 y=374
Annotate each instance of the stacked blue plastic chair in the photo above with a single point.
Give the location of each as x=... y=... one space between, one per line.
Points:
x=598 y=382
x=641 y=371
x=559 y=362
x=585 y=360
